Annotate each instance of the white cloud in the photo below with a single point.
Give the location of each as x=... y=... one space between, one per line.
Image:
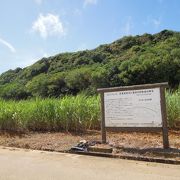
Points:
x=128 y=26
x=156 y=22
x=48 y=25
x=89 y=2
x=77 y=12
x=39 y=2
x=27 y=58
x=43 y=53
x=8 y=45
x=82 y=46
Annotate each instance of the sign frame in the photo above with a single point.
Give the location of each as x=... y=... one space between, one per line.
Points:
x=164 y=127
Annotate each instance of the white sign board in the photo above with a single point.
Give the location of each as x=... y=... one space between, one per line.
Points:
x=133 y=108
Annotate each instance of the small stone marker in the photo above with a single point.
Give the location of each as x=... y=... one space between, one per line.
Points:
x=100 y=149
x=134 y=108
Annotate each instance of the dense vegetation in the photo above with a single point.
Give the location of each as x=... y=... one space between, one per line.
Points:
x=70 y=113
x=173 y=108
x=129 y=60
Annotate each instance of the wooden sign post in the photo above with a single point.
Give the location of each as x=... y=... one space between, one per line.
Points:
x=139 y=108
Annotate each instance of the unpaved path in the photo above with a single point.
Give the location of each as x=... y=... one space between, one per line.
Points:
x=60 y=141
x=18 y=164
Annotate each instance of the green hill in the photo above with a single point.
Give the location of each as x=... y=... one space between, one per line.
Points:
x=129 y=60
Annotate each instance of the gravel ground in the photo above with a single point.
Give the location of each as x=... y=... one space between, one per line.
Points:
x=60 y=141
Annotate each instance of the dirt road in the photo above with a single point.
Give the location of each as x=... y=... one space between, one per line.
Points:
x=18 y=164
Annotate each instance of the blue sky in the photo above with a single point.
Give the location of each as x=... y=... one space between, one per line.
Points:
x=32 y=29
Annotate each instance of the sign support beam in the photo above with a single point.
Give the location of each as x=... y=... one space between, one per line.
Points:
x=103 y=129
x=164 y=119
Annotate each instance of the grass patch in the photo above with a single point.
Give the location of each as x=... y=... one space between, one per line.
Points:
x=173 y=108
x=70 y=113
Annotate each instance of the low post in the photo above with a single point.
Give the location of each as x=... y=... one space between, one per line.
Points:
x=164 y=119
x=103 y=130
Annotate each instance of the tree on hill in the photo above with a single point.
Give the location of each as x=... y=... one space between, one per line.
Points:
x=127 y=61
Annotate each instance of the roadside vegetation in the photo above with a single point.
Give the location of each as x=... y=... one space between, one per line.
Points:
x=173 y=108
x=59 y=92
x=69 y=113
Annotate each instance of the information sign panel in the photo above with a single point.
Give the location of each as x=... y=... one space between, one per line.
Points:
x=133 y=108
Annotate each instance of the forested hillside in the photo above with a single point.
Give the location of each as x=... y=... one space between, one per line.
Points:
x=129 y=60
